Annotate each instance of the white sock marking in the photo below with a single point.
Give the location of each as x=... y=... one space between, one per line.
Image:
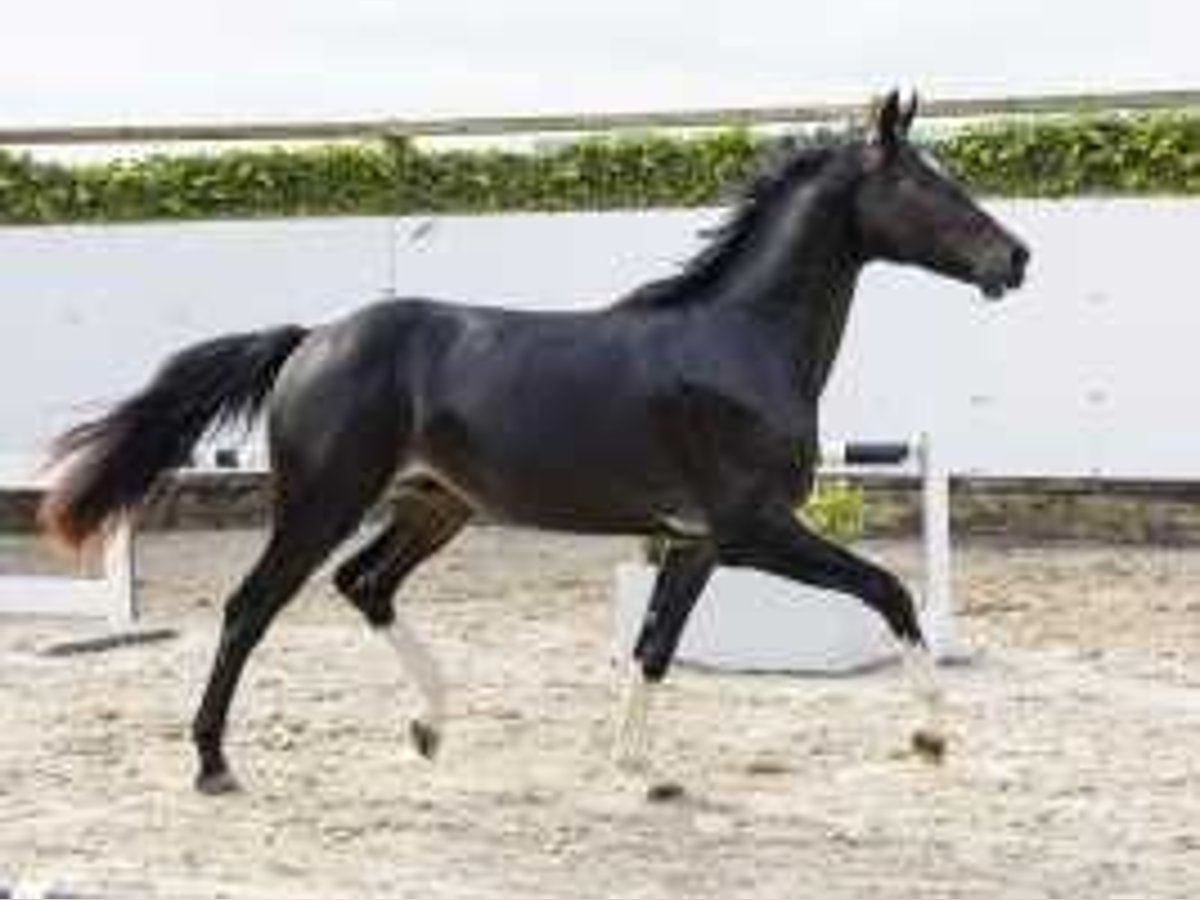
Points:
x=421 y=667
x=633 y=735
x=921 y=671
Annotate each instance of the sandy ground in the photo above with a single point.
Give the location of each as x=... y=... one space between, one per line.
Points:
x=1074 y=772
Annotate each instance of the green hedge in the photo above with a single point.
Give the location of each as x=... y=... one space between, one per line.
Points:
x=1148 y=154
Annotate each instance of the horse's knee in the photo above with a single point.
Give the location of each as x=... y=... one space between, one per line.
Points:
x=655 y=650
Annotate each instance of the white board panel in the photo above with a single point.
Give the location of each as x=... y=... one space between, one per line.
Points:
x=1089 y=370
x=86 y=313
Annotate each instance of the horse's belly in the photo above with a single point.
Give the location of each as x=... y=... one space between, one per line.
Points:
x=557 y=451
x=587 y=502
x=566 y=487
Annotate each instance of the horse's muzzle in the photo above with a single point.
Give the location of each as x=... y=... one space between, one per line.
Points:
x=1005 y=271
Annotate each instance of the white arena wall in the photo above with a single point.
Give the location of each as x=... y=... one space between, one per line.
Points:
x=1090 y=371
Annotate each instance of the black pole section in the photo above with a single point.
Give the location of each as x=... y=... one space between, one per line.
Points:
x=876 y=454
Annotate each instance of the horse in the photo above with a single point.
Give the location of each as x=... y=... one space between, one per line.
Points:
x=685 y=409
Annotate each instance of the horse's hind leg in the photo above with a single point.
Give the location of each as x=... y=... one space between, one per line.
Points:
x=287 y=560
x=424 y=518
x=307 y=527
x=320 y=499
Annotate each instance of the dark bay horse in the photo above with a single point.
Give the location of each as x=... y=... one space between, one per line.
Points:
x=688 y=408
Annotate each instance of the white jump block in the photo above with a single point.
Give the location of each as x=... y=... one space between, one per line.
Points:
x=747 y=621
x=754 y=622
x=110 y=595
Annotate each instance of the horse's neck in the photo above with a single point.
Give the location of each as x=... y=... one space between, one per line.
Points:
x=803 y=279
x=820 y=335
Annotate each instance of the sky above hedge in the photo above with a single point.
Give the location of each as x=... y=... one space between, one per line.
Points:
x=77 y=61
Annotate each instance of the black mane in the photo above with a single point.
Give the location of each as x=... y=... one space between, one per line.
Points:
x=795 y=162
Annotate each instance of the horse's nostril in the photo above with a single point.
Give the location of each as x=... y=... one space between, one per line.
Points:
x=1020 y=256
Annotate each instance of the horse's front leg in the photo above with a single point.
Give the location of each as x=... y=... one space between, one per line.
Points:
x=771 y=539
x=681 y=579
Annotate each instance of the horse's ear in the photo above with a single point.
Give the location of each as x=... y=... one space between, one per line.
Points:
x=907 y=113
x=886 y=129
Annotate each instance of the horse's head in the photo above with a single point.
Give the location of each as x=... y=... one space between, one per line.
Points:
x=909 y=210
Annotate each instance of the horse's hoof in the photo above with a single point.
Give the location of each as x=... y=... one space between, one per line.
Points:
x=665 y=792
x=425 y=737
x=214 y=784
x=929 y=745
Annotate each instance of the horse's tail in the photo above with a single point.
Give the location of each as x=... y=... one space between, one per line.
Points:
x=108 y=465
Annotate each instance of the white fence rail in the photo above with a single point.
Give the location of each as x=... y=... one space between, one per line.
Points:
x=493 y=126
